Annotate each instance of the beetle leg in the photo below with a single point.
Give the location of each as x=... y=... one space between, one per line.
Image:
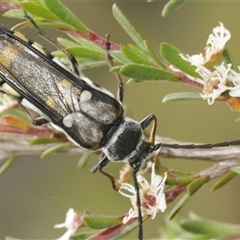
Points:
x=39 y=121
x=103 y=162
x=43 y=34
x=120 y=94
x=146 y=122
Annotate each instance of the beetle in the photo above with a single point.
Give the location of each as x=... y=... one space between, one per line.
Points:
x=89 y=115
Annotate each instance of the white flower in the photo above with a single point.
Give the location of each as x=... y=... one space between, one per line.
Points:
x=72 y=222
x=151 y=195
x=235 y=79
x=217 y=41
x=215 y=82
x=219 y=81
x=215 y=44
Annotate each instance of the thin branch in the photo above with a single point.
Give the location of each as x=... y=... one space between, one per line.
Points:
x=19 y=144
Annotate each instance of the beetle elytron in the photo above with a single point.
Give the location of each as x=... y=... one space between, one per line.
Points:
x=89 y=115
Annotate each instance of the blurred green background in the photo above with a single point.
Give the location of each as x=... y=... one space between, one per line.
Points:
x=36 y=193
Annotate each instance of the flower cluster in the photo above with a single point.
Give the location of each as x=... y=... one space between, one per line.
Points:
x=72 y=222
x=151 y=195
x=217 y=75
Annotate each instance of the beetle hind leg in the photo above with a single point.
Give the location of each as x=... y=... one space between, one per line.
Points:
x=40 y=32
x=110 y=63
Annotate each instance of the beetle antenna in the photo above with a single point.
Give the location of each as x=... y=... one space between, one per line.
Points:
x=203 y=146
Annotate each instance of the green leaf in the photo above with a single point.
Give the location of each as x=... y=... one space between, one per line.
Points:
x=195 y=185
x=135 y=56
x=129 y=29
x=211 y=229
x=120 y=57
x=153 y=55
x=87 y=43
x=82 y=235
x=144 y=73
x=182 y=96
x=82 y=161
x=14 y=13
x=171 y=6
x=65 y=15
x=16 y=113
x=101 y=221
x=115 y=69
x=176 y=180
x=38 y=10
x=7 y=164
x=180 y=204
x=229 y=59
x=54 y=149
x=67 y=43
x=171 y=54
x=225 y=179
x=85 y=53
x=41 y=24
x=236 y=169
x=43 y=140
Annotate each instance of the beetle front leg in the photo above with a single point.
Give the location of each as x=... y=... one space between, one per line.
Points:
x=146 y=122
x=103 y=162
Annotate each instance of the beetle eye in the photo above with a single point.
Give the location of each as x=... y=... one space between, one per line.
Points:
x=154 y=148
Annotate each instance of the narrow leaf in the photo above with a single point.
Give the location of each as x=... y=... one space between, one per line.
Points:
x=82 y=161
x=87 y=43
x=65 y=15
x=180 y=204
x=182 y=96
x=43 y=140
x=15 y=122
x=120 y=57
x=135 y=56
x=14 y=13
x=17 y=113
x=6 y=165
x=85 y=53
x=211 y=229
x=67 y=43
x=144 y=73
x=171 y=6
x=101 y=221
x=153 y=55
x=171 y=54
x=195 y=185
x=129 y=29
x=229 y=59
x=236 y=169
x=54 y=149
x=38 y=10
x=228 y=177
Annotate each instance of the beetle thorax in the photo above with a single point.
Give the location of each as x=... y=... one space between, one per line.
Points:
x=126 y=143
